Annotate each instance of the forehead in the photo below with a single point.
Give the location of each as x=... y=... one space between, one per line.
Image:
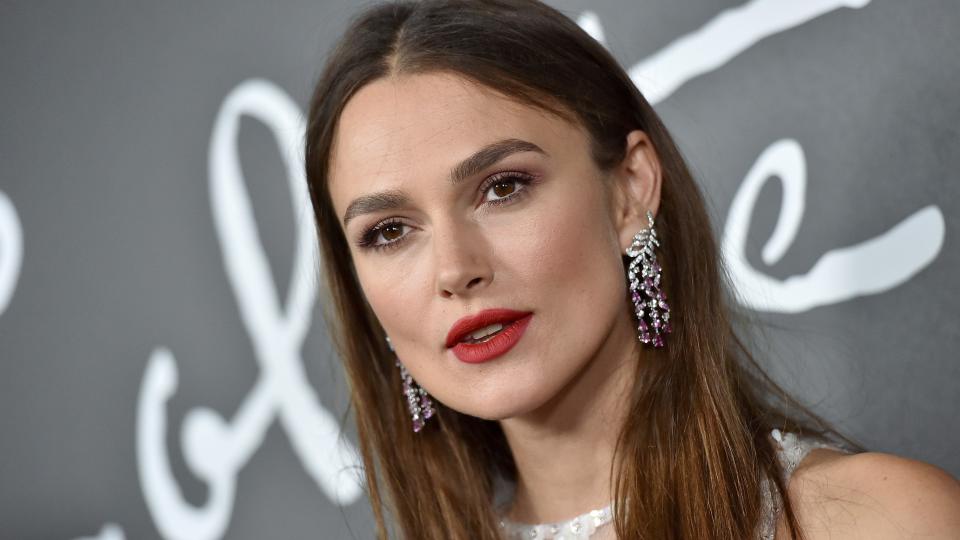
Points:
x=415 y=127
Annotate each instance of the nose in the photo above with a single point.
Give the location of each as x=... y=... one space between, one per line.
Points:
x=461 y=258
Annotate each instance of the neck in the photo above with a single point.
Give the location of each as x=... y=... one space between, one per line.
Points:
x=564 y=450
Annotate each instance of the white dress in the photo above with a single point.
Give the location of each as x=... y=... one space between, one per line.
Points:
x=790 y=452
x=792 y=449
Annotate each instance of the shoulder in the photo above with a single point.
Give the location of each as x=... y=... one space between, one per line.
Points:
x=873 y=495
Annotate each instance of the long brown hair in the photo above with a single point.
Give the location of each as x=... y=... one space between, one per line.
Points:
x=695 y=447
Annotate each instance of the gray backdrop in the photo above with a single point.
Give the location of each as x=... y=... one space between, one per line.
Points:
x=145 y=158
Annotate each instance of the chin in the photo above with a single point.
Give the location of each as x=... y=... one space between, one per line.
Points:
x=497 y=413
x=503 y=401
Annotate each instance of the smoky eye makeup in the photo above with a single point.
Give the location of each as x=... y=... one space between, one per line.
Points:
x=499 y=189
x=520 y=181
x=369 y=238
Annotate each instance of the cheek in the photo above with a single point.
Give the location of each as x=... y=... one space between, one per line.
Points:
x=401 y=289
x=571 y=262
x=576 y=249
x=392 y=293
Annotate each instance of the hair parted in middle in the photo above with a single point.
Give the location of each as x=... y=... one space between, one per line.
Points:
x=694 y=449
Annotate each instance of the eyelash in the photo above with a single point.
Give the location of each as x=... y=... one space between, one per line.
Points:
x=369 y=238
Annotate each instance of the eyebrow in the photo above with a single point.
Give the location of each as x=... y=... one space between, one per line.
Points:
x=472 y=165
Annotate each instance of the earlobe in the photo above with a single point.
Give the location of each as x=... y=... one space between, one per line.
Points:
x=638 y=186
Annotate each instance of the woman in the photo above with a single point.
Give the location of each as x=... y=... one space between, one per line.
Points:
x=502 y=218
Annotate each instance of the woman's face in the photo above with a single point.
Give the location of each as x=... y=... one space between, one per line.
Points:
x=531 y=226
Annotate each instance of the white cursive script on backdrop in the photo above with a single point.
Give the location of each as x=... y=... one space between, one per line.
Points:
x=838 y=275
x=213 y=448
x=216 y=449
x=869 y=267
x=11 y=250
x=724 y=37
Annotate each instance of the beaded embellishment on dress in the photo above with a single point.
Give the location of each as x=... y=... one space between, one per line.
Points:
x=581 y=527
x=790 y=452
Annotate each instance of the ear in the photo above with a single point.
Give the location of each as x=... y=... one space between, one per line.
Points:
x=636 y=187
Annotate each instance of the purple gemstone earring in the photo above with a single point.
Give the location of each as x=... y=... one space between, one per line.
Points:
x=649 y=302
x=418 y=400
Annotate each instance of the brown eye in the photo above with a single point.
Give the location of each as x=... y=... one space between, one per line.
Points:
x=386 y=234
x=504 y=188
x=392 y=231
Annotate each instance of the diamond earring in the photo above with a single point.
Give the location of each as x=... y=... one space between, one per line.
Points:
x=649 y=302
x=418 y=400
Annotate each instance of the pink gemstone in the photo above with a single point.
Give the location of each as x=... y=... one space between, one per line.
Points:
x=417 y=425
x=667 y=328
x=664 y=305
x=642 y=327
x=656 y=323
x=658 y=341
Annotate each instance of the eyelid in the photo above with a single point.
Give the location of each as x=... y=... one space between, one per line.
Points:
x=522 y=178
x=369 y=236
x=503 y=175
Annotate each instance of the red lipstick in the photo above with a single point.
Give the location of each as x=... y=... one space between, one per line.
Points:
x=514 y=323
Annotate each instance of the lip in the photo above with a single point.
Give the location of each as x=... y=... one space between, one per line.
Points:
x=472 y=323
x=498 y=345
x=515 y=322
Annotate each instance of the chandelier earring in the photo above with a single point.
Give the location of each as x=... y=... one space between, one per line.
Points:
x=649 y=302
x=418 y=400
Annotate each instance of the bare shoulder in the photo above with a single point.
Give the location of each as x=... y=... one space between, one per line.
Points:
x=873 y=495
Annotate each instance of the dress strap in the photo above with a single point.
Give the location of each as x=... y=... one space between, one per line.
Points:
x=791 y=449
